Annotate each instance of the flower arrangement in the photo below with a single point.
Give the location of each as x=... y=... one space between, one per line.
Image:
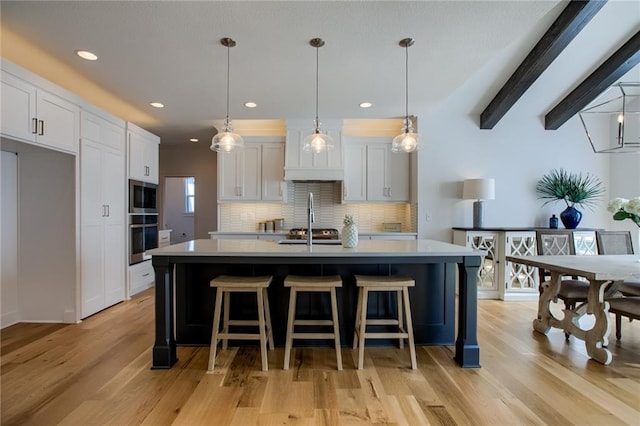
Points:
x=625 y=209
x=572 y=188
x=348 y=220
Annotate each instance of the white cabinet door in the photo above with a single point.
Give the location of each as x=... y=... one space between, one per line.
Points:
x=251 y=173
x=355 y=174
x=229 y=179
x=303 y=165
x=387 y=174
x=18 y=108
x=35 y=115
x=58 y=122
x=102 y=214
x=143 y=155
x=273 y=186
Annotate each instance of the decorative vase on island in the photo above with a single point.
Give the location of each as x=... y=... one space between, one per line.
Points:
x=350 y=236
x=571 y=217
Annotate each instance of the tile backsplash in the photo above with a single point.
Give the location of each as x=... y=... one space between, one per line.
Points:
x=329 y=212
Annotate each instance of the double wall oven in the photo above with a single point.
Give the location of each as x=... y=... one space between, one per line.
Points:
x=143 y=220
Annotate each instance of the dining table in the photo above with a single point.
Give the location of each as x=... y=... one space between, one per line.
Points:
x=604 y=274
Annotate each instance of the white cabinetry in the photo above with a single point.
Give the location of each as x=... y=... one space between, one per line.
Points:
x=254 y=173
x=497 y=278
x=164 y=238
x=143 y=154
x=375 y=173
x=304 y=165
x=32 y=114
x=102 y=213
x=141 y=277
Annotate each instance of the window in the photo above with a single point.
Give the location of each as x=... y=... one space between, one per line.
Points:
x=190 y=195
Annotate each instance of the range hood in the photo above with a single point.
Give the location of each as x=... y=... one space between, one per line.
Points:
x=306 y=166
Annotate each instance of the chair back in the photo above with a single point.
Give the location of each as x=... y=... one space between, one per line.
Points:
x=614 y=242
x=553 y=243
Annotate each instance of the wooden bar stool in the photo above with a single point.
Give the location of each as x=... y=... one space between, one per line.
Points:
x=231 y=284
x=400 y=285
x=300 y=284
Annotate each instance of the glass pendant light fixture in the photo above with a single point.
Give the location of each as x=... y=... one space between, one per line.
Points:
x=317 y=142
x=407 y=141
x=227 y=141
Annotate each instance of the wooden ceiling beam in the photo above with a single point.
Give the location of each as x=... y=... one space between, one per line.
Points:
x=618 y=64
x=570 y=22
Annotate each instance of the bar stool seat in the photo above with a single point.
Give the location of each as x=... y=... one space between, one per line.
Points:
x=395 y=283
x=299 y=284
x=226 y=285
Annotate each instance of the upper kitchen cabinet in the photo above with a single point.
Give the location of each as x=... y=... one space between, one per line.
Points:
x=375 y=173
x=38 y=112
x=301 y=165
x=143 y=154
x=254 y=173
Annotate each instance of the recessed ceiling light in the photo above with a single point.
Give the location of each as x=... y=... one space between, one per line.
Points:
x=157 y=104
x=365 y=104
x=194 y=140
x=250 y=104
x=85 y=54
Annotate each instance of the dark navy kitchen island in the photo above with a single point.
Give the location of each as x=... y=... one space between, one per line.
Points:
x=186 y=304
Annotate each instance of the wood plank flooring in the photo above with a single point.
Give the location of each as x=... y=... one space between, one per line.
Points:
x=98 y=372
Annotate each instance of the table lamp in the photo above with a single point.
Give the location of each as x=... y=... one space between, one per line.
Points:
x=479 y=190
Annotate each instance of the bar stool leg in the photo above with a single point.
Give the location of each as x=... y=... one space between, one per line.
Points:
x=225 y=323
x=292 y=312
x=363 y=326
x=412 y=345
x=263 y=336
x=267 y=313
x=336 y=328
x=216 y=325
x=400 y=320
x=357 y=325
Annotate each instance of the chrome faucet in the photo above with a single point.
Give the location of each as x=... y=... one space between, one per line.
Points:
x=311 y=216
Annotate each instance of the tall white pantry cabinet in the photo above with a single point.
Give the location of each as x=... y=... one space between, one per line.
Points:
x=102 y=212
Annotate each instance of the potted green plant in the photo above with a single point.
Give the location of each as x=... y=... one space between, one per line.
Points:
x=572 y=188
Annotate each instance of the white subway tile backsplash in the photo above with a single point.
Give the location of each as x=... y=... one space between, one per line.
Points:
x=244 y=217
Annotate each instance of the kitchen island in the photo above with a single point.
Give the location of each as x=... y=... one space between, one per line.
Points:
x=184 y=308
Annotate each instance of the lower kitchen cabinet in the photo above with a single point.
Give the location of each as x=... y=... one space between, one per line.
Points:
x=141 y=277
x=102 y=213
x=499 y=279
x=164 y=237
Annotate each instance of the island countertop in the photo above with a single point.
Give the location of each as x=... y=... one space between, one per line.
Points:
x=365 y=248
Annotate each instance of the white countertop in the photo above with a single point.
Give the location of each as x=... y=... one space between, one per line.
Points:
x=284 y=232
x=263 y=248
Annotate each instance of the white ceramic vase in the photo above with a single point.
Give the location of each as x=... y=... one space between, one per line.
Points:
x=350 y=236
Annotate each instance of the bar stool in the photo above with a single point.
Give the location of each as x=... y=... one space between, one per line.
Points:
x=400 y=285
x=300 y=284
x=231 y=284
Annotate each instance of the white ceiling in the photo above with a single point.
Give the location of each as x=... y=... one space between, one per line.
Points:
x=170 y=51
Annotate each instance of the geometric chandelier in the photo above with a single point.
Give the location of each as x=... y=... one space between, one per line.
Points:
x=613 y=124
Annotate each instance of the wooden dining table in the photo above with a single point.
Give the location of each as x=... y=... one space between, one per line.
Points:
x=604 y=273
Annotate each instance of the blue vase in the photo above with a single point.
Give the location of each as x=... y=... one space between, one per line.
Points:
x=570 y=217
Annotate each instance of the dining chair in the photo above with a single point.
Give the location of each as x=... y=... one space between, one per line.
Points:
x=618 y=242
x=560 y=243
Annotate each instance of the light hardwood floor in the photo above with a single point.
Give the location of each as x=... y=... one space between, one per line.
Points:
x=97 y=372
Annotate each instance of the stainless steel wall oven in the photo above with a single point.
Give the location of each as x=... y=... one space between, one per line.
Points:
x=142 y=197
x=143 y=236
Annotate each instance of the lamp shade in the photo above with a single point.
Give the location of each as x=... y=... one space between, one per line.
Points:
x=479 y=189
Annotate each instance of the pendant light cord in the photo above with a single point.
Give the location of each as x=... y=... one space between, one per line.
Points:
x=317 y=79
x=406 y=87
x=228 y=67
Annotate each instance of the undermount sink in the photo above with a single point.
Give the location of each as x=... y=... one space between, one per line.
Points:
x=315 y=242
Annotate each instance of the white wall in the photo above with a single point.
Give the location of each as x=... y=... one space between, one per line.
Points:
x=46 y=233
x=9 y=245
x=517 y=151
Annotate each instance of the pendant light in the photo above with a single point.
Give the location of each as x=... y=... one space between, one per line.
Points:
x=227 y=141
x=407 y=141
x=317 y=142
